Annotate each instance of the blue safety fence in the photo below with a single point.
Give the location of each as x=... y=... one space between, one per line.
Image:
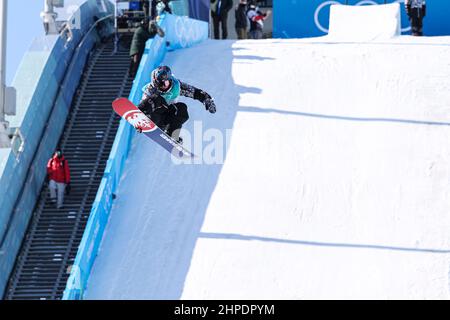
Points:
x=46 y=82
x=310 y=18
x=181 y=32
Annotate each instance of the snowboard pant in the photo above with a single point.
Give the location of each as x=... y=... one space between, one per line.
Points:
x=416 y=19
x=241 y=33
x=173 y=119
x=255 y=34
x=217 y=21
x=134 y=63
x=57 y=192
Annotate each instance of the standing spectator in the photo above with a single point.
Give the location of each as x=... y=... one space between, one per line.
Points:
x=256 y=18
x=59 y=178
x=147 y=29
x=241 y=19
x=163 y=6
x=219 y=14
x=416 y=10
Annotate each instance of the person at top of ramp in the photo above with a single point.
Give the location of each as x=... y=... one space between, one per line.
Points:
x=147 y=29
x=256 y=17
x=416 y=10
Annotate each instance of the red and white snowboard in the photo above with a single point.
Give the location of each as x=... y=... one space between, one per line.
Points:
x=128 y=111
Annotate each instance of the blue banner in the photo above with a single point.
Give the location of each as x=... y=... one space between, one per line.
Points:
x=310 y=18
x=199 y=9
x=183 y=32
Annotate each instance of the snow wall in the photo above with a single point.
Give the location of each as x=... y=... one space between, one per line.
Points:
x=299 y=19
x=364 y=23
x=45 y=81
x=181 y=32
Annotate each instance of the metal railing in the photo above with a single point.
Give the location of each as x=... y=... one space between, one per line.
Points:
x=67 y=74
x=53 y=235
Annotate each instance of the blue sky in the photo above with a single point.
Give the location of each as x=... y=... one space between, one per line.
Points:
x=24 y=24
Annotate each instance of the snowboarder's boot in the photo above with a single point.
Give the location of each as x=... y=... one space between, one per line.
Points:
x=174 y=134
x=165 y=128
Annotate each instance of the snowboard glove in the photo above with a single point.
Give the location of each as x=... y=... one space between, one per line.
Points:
x=200 y=95
x=424 y=10
x=210 y=105
x=68 y=189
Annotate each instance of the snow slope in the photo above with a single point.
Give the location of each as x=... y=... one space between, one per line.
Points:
x=335 y=183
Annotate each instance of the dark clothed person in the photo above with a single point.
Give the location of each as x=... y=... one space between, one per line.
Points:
x=219 y=15
x=241 y=24
x=147 y=30
x=416 y=10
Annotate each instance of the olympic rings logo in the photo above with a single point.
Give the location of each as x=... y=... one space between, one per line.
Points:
x=186 y=31
x=331 y=2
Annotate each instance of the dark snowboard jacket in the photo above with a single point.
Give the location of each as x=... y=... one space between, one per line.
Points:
x=225 y=6
x=415 y=8
x=155 y=103
x=241 y=16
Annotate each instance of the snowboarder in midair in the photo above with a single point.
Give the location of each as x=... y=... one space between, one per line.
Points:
x=159 y=101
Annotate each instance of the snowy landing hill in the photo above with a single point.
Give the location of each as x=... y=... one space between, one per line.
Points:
x=335 y=179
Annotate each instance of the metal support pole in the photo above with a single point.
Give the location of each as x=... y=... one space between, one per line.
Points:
x=116 y=29
x=49 y=17
x=4 y=139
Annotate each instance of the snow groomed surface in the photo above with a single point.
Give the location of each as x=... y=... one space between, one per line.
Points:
x=334 y=183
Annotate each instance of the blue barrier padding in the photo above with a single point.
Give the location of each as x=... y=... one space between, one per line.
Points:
x=310 y=18
x=181 y=32
x=45 y=89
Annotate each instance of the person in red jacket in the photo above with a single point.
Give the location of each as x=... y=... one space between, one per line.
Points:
x=59 y=178
x=256 y=18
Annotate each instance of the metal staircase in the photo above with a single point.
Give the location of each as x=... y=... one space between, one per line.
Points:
x=51 y=242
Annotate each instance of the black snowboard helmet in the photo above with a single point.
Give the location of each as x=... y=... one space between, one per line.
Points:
x=159 y=77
